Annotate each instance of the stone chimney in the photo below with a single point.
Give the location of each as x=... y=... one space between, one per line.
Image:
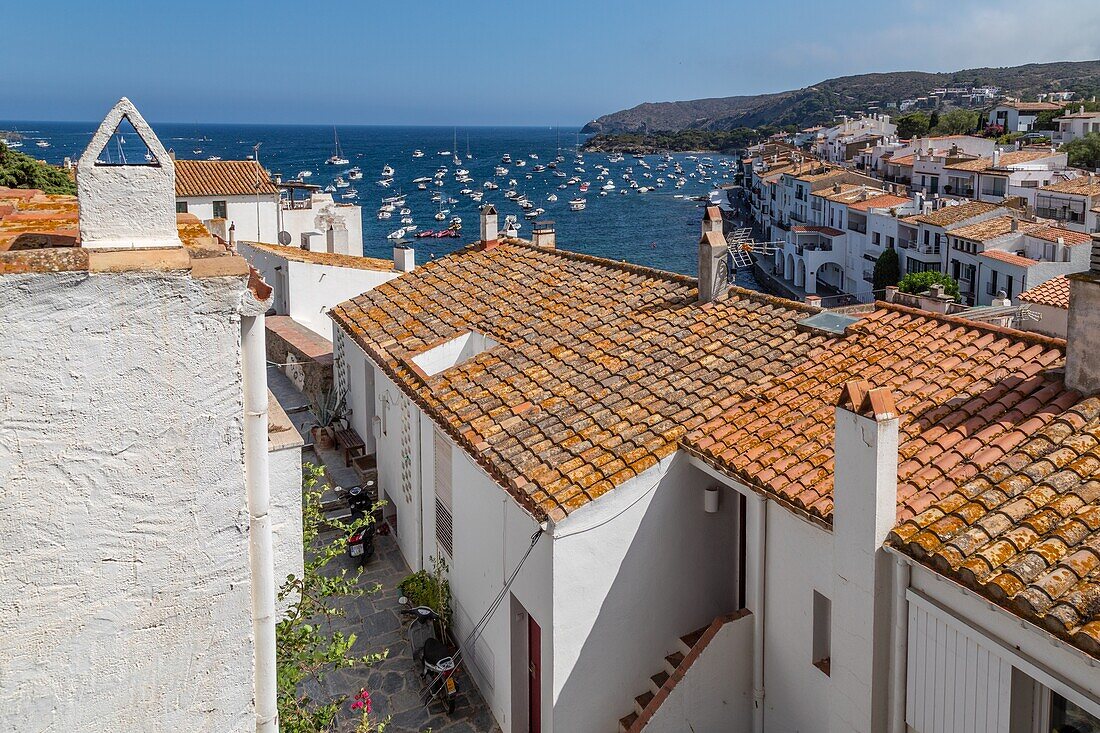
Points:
x=1083 y=331
x=336 y=238
x=489 y=235
x=712 y=221
x=542 y=235
x=865 y=490
x=127 y=206
x=713 y=268
x=404 y=258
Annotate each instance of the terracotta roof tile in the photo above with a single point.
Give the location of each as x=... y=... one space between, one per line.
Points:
x=1054 y=292
x=297 y=254
x=1008 y=258
x=1007 y=159
x=222 y=178
x=1084 y=185
x=949 y=215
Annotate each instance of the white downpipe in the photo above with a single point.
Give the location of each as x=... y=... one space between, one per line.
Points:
x=760 y=525
x=260 y=546
x=899 y=640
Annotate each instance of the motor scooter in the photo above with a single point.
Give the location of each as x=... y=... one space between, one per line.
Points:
x=360 y=541
x=437 y=659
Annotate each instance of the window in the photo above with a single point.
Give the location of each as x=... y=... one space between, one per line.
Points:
x=444 y=518
x=181 y=207
x=875 y=238
x=220 y=210
x=822 y=631
x=1067 y=716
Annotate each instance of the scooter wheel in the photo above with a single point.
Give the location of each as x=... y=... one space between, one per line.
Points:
x=451 y=706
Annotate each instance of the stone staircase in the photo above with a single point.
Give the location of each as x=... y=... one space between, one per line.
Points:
x=675 y=665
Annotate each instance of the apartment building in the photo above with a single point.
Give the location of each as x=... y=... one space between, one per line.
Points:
x=1003 y=174
x=1019 y=116
x=1073 y=203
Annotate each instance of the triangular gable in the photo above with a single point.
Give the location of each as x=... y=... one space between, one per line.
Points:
x=124 y=109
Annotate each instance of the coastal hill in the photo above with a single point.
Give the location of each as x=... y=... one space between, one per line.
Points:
x=822 y=102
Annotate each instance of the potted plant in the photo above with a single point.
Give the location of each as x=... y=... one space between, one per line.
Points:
x=327 y=408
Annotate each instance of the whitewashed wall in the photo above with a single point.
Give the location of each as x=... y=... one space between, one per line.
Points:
x=285 y=471
x=634 y=571
x=798 y=561
x=125 y=575
x=241 y=211
x=323 y=214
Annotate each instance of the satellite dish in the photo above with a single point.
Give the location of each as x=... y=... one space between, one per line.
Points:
x=284 y=238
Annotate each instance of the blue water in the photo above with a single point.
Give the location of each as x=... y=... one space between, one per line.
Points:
x=654 y=229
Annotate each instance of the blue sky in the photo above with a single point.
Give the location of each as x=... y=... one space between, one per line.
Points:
x=480 y=62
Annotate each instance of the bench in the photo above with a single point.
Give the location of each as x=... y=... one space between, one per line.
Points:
x=352 y=444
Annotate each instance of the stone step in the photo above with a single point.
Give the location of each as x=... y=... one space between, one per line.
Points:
x=672 y=661
x=688 y=641
x=657 y=681
x=641 y=701
x=626 y=722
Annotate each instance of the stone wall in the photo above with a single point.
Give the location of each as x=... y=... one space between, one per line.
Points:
x=301 y=355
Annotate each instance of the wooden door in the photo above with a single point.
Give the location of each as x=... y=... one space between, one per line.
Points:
x=534 y=676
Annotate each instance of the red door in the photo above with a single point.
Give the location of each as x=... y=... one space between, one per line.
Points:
x=534 y=676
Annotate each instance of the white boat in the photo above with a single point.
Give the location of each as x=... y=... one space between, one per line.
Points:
x=406 y=220
x=214 y=157
x=500 y=170
x=440 y=216
x=304 y=174
x=350 y=194
x=609 y=186
x=418 y=153
x=398 y=234
x=533 y=156
x=387 y=171
x=520 y=163
x=476 y=196
x=490 y=186
x=329 y=189
x=577 y=204
x=506 y=159
x=337 y=157
x=385 y=214
x=340 y=182
x=42 y=144
x=355 y=174
x=405 y=211
x=552 y=198
x=385 y=182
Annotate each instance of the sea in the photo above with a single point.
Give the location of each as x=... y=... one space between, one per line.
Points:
x=657 y=229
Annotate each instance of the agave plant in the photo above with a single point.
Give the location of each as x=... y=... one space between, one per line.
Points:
x=328 y=406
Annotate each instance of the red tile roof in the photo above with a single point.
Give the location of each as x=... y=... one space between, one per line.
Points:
x=1054 y=292
x=883 y=201
x=1008 y=258
x=222 y=178
x=297 y=254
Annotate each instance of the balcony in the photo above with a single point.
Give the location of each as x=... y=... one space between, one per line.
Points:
x=855 y=226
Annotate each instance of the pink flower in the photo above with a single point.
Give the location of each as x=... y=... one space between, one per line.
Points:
x=357 y=705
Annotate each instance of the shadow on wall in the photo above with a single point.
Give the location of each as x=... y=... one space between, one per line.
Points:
x=677 y=574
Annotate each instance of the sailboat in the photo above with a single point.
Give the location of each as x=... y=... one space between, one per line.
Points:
x=337 y=157
x=468 y=156
x=456 y=159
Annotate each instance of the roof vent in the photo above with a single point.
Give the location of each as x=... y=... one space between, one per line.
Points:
x=828 y=323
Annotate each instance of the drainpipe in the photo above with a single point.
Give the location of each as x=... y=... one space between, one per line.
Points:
x=260 y=545
x=760 y=524
x=899 y=641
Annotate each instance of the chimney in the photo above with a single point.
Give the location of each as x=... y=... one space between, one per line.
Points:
x=233 y=237
x=712 y=220
x=404 y=258
x=543 y=235
x=813 y=300
x=1060 y=249
x=336 y=238
x=126 y=206
x=1015 y=224
x=865 y=449
x=1083 y=331
x=488 y=226
x=713 y=268
x=996 y=157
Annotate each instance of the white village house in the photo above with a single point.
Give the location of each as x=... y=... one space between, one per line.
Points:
x=151 y=498
x=731 y=511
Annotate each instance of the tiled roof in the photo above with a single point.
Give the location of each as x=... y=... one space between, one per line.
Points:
x=297 y=254
x=1025 y=531
x=1054 y=292
x=983 y=231
x=1008 y=258
x=1052 y=234
x=961 y=391
x=812 y=229
x=949 y=215
x=222 y=178
x=1011 y=158
x=1032 y=106
x=903 y=160
x=1082 y=186
x=602 y=366
x=882 y=201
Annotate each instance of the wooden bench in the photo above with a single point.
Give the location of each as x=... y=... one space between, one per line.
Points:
x=352 y=444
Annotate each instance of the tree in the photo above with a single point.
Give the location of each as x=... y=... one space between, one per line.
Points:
x=1084 y=152
x=956 y=122
x=916 y=283
x=887 y=270
x=19 y=170
x=934 y=120
x=913 y=124
x=307 y=647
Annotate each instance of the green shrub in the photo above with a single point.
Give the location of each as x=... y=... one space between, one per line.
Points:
x=19 y=170
x=430 y=588
x=920 y=282
x=887 y=269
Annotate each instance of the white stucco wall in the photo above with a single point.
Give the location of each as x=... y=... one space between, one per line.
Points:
x=124 y=583
x=285 y=472
x=242 y=212
x=633 y=571
x=306 y=291
x=716 y=692
x=798 y=562
x=1052 y=321
x=324 y=214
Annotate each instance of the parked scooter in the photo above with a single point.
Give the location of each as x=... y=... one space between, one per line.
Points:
x=437 y=659
x=360 y=541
